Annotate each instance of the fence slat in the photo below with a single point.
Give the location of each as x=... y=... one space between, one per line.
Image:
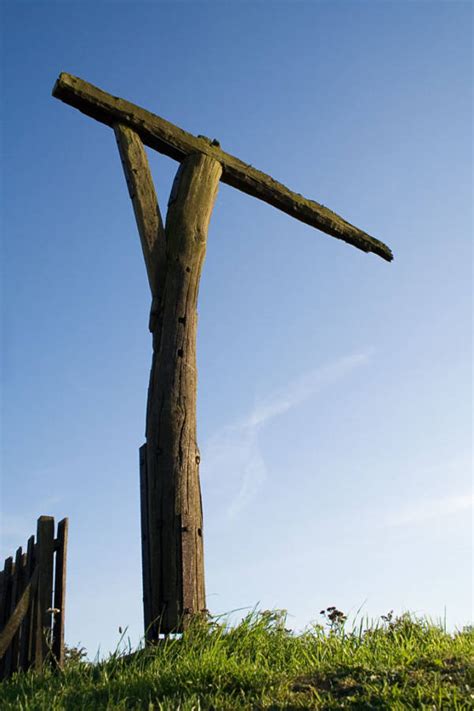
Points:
x=26 y=637
x=5 y=600
x=11 y=662
x=60 y=593
x=2 y=585
x=5 y=604
x=45 y=538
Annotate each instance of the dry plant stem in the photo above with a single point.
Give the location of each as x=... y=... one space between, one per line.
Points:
x=174 y=496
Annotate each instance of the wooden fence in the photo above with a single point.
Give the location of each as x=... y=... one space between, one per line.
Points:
x=32 y=601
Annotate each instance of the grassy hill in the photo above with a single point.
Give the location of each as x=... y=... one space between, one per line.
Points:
x=400 y=663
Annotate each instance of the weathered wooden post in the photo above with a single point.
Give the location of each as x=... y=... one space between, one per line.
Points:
x=171 y=510
x=173 y=561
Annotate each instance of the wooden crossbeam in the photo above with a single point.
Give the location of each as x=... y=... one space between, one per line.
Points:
x=165 y=137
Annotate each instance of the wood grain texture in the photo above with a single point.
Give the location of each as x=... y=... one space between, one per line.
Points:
x=45 y=543
x=146 y=583
x=171 y=140
x=17 y=589
x=26 y=631
x=5 y=603
x=60 y=593
x=145 y=204
x=174 y=497
x=15 y=620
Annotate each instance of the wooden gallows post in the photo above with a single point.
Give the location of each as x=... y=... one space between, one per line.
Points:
x=171 y=511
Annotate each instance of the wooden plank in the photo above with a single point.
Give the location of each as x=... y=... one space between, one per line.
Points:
x=145 y=204
x=36 y=649
x=172 y=452
x=60 y=593
x=45 y=538
x=11 y=660
x=2 y=594
x=167 y=138
x=23 y=581
x=4 y=580
x=5 y=606
x=6 y=591
x=26 y=632
x=145 y=539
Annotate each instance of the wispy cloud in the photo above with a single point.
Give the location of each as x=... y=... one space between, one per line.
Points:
x=426 y=510
x=303 y=388
x=234 y=449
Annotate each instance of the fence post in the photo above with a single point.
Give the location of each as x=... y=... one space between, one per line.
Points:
x=45 y=538
x=60 y=594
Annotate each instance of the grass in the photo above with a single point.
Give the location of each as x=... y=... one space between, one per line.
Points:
x=399 y=663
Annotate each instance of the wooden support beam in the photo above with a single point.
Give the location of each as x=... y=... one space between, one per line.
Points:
x=167 y=138
x=174 y=511
x=145 y=204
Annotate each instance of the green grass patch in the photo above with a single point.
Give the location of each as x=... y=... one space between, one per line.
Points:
x=400 y=663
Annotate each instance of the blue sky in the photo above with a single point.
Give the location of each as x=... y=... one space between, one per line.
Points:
x=334 y=389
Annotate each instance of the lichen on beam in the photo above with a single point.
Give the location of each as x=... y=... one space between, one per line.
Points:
x=165 y=137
